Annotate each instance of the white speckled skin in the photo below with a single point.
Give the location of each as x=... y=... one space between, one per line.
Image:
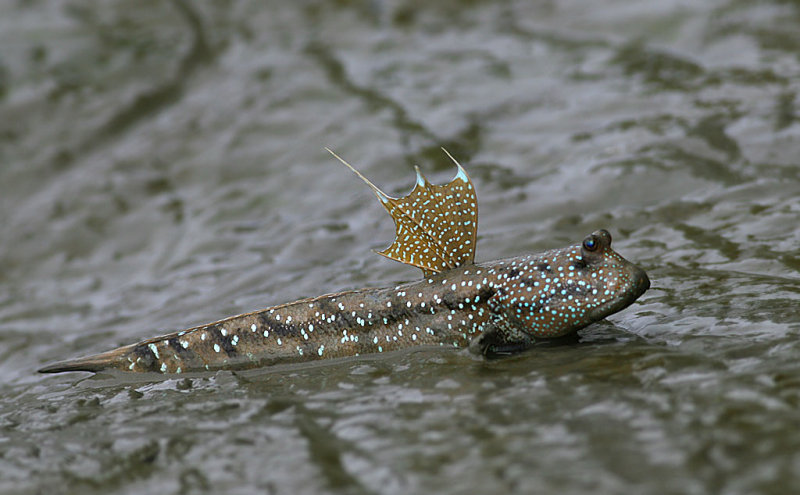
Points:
x=507 y=303
x=494 y=308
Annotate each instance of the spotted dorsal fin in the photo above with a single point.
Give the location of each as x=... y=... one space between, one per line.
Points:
x=435 y=225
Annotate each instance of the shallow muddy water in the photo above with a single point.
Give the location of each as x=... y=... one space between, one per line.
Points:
x=162 y=165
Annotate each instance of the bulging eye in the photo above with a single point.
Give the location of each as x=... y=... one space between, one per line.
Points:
x=590 y=243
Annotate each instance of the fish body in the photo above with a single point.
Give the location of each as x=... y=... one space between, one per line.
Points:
x=492 y=308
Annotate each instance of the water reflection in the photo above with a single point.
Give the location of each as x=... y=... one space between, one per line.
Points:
x=163 y=165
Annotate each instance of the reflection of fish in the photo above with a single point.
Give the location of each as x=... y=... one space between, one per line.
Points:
x=494 y=308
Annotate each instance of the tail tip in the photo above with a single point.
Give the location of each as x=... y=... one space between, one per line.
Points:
x=65 y=366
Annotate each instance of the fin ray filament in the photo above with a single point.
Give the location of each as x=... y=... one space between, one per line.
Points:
x=436 y=225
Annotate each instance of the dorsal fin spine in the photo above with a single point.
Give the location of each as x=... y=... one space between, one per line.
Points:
x=421 y=180
x=382 y=196
x=461 y=174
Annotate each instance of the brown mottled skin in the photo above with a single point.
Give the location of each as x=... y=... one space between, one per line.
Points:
x=337 y=336
x=457 y=308
x=498 y=307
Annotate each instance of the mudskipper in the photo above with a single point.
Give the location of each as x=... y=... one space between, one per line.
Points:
x=493 y=308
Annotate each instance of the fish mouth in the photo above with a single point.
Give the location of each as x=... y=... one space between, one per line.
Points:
x=641 y=282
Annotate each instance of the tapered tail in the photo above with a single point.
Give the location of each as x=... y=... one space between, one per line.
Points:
x=94 y=363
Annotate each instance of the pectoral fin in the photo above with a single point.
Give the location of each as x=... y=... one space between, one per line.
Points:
x=498 y=339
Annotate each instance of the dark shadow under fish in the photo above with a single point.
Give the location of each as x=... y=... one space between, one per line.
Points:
x=494 y=308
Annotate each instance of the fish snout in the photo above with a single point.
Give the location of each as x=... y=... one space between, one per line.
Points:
x=639 y=279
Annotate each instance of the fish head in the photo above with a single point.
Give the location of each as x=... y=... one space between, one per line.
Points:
x=614 y=281
x=561 y=291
